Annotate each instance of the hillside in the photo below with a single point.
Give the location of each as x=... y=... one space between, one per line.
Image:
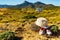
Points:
x=18 y=19
x=26 y=4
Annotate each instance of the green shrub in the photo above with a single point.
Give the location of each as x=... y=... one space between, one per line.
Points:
x=54 y=28
x=7 y=35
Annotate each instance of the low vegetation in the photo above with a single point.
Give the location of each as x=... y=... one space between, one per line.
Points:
x=16 y=17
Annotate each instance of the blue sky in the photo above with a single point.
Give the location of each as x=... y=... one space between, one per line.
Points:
x=15 y=2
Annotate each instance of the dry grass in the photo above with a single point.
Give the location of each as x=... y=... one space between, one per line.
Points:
x=12 y=20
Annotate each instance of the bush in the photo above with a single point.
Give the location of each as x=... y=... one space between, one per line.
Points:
x=29 y=16
x=54 y=28
x=7 y=35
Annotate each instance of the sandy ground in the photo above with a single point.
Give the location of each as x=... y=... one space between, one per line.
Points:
x=23 y=30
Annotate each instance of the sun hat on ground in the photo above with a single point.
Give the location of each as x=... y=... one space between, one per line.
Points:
x=39 y=21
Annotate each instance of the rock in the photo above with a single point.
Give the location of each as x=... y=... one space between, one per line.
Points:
x=34 y=27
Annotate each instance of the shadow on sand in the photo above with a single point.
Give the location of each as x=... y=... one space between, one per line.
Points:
x=18 y=38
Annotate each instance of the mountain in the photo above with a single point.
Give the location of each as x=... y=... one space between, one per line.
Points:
x=39 y=4
x=26 y=4
x=3 y=6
